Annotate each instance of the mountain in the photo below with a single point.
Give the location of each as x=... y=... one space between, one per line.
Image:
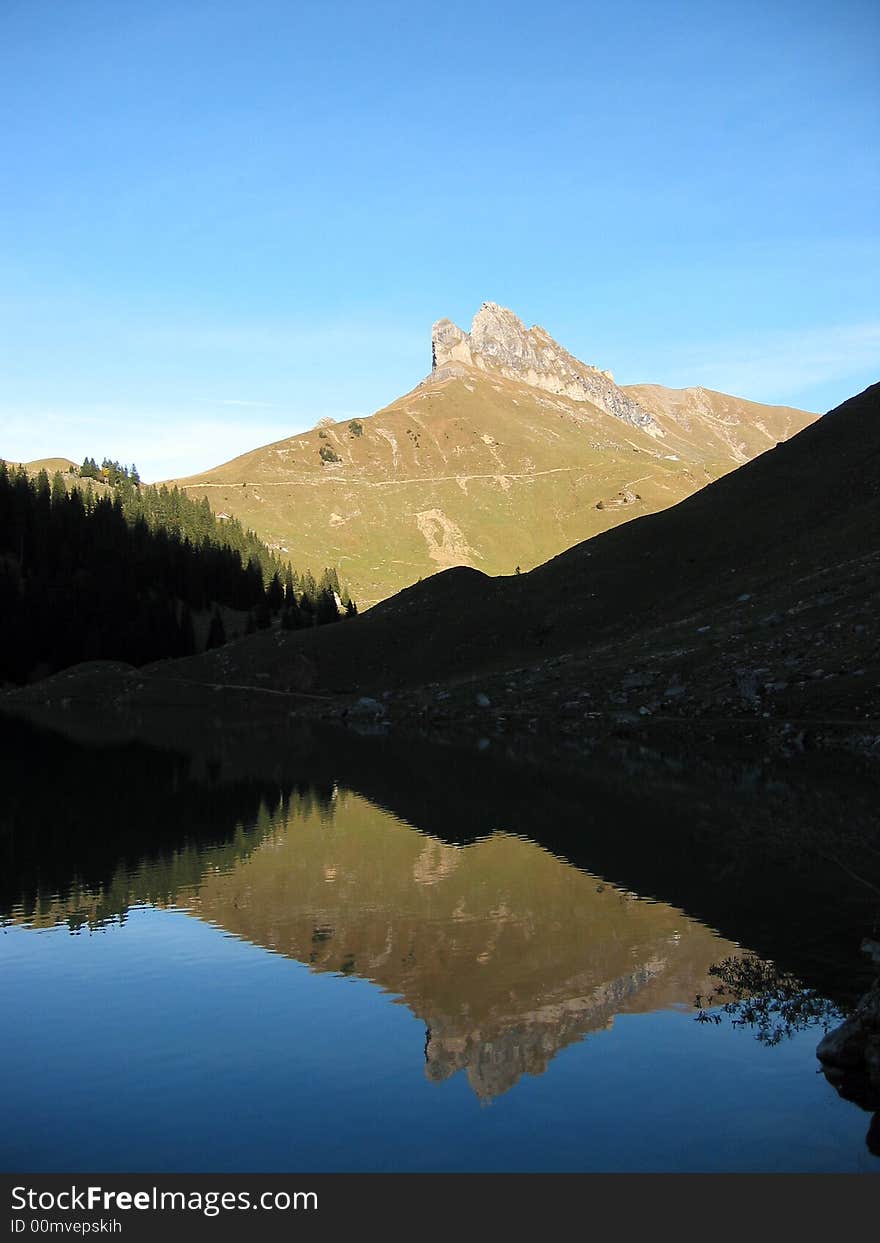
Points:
x=510 y=451
x=49 y=464
x=756 y=597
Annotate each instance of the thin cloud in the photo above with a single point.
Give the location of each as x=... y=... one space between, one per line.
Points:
x=776 y=366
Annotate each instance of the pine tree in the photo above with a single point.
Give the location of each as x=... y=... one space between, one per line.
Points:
x=126 y=569
x=307 y=609
x=275 y=593
x=326 y=610
x=59 y=491
x=291 y=617
x=310 y=587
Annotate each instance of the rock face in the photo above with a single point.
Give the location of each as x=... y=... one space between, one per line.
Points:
x=850 y=1054
x=499 y=341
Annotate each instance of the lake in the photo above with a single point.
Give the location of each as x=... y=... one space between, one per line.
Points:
x=325 y=954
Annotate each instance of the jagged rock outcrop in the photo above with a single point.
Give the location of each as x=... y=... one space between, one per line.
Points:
x=499 y=341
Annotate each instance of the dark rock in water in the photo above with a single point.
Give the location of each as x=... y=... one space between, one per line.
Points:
x=856 y=1043
x=872 y=1139
x=850 y=1054
x=845 y=1047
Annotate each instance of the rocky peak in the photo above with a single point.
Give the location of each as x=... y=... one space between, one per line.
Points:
x=499 y=341
x=446 y=337
x=497 y=333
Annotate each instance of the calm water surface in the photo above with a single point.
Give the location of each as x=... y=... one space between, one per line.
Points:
x=325 y=986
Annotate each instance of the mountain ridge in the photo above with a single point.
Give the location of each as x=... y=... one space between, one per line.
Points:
x=499 y=341
x=509 y=451
x=755 y=597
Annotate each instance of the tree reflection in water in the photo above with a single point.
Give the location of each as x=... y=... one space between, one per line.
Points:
x=755 y=993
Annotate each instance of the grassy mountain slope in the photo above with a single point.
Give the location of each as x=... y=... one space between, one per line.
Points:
x=716 y=423
x=765 y=579
x=474 y=468
x=49 y=464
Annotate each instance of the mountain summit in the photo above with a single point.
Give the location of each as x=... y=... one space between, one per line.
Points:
x=499 y=341
x=510 y=451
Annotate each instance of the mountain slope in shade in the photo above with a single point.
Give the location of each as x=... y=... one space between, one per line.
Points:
x=510 y=451
x=758 y=595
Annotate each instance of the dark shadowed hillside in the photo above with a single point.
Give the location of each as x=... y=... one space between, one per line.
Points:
x=756 y=596
x=789 y=543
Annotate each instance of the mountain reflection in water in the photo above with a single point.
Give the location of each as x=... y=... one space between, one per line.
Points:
x=505 y=952
x=549 y=929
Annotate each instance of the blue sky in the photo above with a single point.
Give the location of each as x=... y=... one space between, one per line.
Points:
x=220 y=222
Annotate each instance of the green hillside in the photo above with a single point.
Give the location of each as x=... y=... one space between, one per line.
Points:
x=485 y=465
